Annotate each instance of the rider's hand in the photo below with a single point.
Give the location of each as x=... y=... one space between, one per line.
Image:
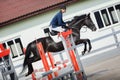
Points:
x=67 y=25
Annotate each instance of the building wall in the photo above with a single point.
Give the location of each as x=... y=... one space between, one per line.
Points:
x=46 y=17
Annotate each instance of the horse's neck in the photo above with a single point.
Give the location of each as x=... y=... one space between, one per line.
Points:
x=77 y=27
x=79 y=24
x=72 y=23
x=76 y=32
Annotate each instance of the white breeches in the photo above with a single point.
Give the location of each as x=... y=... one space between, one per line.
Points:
x=59 y=29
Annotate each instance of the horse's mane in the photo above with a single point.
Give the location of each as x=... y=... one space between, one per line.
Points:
x=76 y=18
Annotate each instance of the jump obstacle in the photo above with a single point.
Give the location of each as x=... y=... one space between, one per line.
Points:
x=46 y=65
x=6 y=66
x=73 y=55
x=76 y=72
x=48 y=72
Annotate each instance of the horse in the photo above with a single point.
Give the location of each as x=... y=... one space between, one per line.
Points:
x=50 y=46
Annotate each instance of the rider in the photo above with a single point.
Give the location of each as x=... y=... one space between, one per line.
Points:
x=57 y=24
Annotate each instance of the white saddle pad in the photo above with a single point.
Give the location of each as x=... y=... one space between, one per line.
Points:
x=56 y=38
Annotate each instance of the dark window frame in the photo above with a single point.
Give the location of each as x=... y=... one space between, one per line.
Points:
x=10 y=43
x=100 y=19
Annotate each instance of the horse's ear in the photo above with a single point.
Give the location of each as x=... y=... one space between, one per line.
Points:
x=88 y=14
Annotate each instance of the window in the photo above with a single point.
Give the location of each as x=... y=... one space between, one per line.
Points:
x=15 y=46
x=118 y=10
x=105 y=17
x=98 y=19
x=19 y=46
x=12 y=48
x=113 y=15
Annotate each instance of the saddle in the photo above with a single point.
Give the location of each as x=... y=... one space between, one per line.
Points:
x=53 y=33
x=54 y=36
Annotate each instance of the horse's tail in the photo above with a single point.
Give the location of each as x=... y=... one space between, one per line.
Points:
x=27 y=55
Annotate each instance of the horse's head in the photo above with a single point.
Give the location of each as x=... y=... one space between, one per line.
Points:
x=89 y=23
x=84 y=20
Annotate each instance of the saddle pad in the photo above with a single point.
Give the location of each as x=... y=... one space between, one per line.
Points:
x=56 y=38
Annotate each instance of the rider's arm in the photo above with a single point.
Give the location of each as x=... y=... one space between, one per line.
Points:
x=60 y=20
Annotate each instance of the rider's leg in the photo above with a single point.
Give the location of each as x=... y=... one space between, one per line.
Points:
x=58 y=29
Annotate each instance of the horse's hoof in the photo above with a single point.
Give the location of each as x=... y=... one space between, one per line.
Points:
x=83 y=52
x=28 y=74
x=89 y=50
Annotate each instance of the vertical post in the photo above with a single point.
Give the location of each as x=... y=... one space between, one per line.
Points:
x=33 y=76
x=7 y=64
x=52 y=62
x=44 y=60
x=67 y=45
x=78 y=59
x=73 y=59
x=115 y=37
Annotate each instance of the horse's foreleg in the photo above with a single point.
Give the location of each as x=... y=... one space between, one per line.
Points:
x=89 y=43
x=85 y=45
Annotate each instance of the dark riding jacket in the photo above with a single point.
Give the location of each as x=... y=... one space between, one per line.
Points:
x=57 y=20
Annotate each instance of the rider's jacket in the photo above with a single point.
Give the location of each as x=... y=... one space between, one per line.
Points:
x=57 y=20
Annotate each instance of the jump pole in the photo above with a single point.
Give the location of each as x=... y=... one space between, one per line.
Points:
x=54 y=68
x=44 y=60
x=78 y=59
x=67 y=46
x=52 y=61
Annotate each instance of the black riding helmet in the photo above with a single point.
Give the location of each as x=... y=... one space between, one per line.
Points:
x=62 y=7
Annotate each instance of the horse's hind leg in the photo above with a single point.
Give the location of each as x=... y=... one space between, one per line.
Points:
x=35 y=58
x=30 y=69
x=30 y=66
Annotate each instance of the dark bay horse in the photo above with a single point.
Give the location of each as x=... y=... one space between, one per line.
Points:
x=50 y=46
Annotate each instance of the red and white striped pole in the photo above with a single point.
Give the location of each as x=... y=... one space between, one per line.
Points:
x=52 y=61
x=44 y=60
